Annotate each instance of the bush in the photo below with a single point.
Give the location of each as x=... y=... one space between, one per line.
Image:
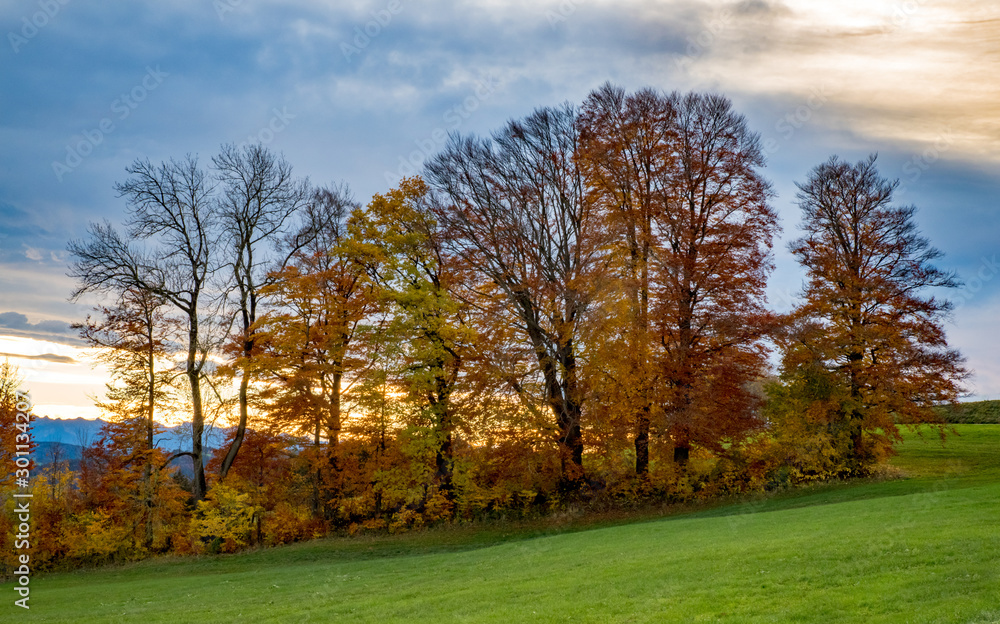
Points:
x=226 y=519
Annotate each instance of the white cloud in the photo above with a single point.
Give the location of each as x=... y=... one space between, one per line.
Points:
x=910 y=73
x=53 y=410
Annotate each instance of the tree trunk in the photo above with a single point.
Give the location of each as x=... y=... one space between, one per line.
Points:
x=443 y=463
x=241 y=429
x=642 y=444
x=571 y=451
x=147 y=471
x=440 y=402
x=642 y=351
x=561 y=395
x=681 y=454
x=318 y=475
x=197 y=433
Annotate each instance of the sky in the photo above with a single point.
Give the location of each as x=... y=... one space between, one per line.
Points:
x=362 y=92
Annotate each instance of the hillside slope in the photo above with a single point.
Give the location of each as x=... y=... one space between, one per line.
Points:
x=922 y=549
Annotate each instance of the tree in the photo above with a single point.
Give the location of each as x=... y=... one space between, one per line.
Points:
x=169 y=205
x=866 y=317
x=17 y=426
x=628 y=148
x=258 y=201
x=132 y=338
x=516 y=211
x=320 y=298
x=676 y=179
x=414 y=275
x=714 y=233
x=122 y=478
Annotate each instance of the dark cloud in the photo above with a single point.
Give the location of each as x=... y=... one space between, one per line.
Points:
x=19 y=322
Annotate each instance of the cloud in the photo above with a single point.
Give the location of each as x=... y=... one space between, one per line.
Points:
x=898 y=76
x=19 y=322
x=909 y=73
x=47 y=357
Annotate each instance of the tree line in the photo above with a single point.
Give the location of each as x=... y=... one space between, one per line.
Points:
x=570 y=310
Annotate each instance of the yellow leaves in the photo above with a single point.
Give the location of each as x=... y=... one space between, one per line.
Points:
x=226 y=516
x=94 y=536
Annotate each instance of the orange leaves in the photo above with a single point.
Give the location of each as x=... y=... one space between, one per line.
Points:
x=865 y=319
x=676 y=178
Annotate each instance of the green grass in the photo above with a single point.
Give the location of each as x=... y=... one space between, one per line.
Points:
x=921 y=549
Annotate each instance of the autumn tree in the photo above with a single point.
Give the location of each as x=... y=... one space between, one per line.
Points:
x=257 y=203
x=628 y=150
x=170 y=206
x=414 y=275
x=133 y=339
x=714 y=232
x=866 y=318
x=516 y=211
x=11 y=381
x=320 y=298
x=126 y=487
x=677 y=181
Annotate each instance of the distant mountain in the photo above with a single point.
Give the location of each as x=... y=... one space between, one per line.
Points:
x=81 y=433
x=77 y=431
x=51 y=452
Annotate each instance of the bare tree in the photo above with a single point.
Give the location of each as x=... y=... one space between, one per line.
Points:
x=516 y=210
x=258 y=201
x=169 y=205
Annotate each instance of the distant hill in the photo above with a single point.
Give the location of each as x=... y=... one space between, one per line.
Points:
x=973 y=412
x=64 y=440
x=50 y=452
x=77 y=431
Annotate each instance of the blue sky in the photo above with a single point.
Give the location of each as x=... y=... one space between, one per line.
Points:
x=360 y=92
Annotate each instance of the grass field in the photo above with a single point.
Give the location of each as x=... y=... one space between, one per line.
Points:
x=921 y=549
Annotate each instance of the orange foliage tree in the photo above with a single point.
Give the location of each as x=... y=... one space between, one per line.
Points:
x=677 y=179
x=866 y=325
x=310 y=336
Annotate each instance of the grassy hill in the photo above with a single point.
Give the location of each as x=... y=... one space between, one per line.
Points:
x=973 y=412
x=921 y=549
